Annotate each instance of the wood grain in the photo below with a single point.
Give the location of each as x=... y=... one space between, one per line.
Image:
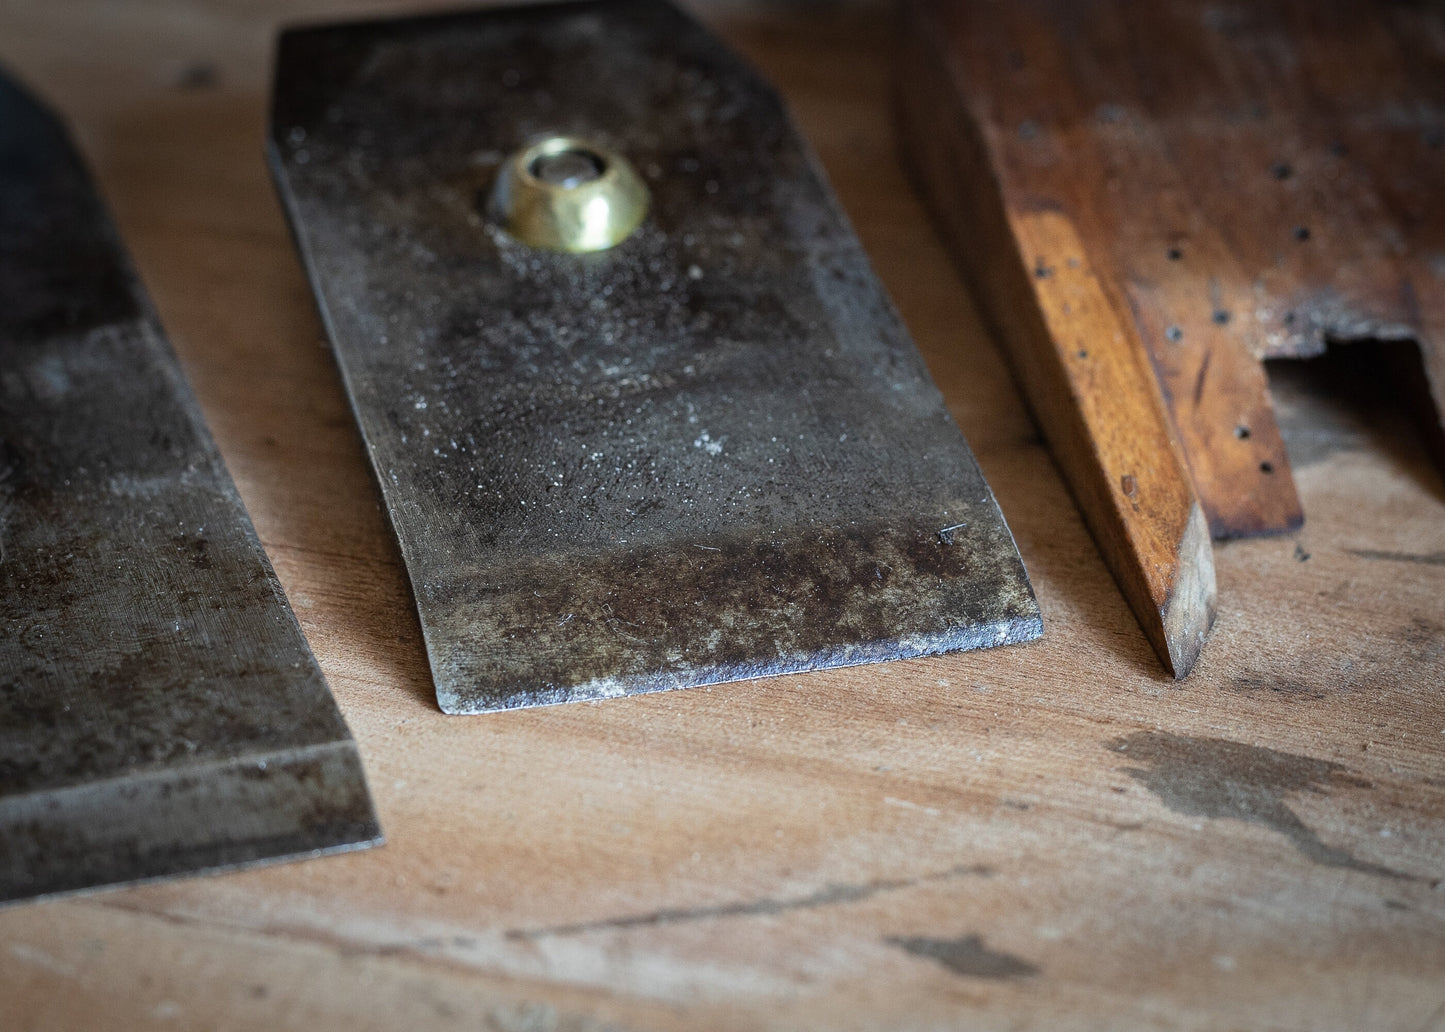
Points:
x=1075 y=356
x=1042 y=837
x=1252 y=181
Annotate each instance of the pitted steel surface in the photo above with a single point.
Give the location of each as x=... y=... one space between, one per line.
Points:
x=710 y=452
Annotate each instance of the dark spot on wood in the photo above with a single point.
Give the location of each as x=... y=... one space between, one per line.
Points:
x=1280 y=170
x=1266 y=467
x=1082 y=353
x=199 y=75
x=1174 y=335
x=1395 y=904
x=1242 y=432
x=966 y=956
x=1221 y=317
x=1286 y=688
x=1289 y=318
x=1042 y=270
x=1424 y=635
x=1300 y=555
x=1427 y=559
x=828 y=896
x=1174 y=254
x=1338 y=149
x=1129 y=485
x=1302 y=233
x=1221 y=779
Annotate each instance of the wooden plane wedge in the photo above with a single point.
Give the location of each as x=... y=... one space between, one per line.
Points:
x=1149 y=200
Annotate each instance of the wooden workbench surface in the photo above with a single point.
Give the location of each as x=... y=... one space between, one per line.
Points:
x=1047 y=836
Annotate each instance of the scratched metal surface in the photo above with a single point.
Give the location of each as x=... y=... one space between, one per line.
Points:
x=160 y=711
x=710 y=453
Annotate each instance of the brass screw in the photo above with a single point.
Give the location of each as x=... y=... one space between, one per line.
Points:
x=567 y=194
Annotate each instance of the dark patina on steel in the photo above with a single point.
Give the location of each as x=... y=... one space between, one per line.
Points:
x=160 y=711
x=710 y=452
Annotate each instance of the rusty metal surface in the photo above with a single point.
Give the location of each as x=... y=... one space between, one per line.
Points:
x=708 y=453
x=160 y=711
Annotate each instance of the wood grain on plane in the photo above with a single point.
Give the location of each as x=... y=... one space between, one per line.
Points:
x=1245 y=183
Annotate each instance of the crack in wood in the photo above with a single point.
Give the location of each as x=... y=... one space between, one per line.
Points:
x=830 y=895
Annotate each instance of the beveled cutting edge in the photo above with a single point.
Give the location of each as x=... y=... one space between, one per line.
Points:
x=160 y=711
x=707 y=453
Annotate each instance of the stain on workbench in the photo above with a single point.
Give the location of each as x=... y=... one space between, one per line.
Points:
x=1285 y=687
x=1424 y=638
x=1423 y=632
x=1214 y=777
x=198 y=75
x=768 y=907
x=1425 y=559
x=967 y=956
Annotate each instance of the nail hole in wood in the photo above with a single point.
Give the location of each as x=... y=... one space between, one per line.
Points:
x=1266 y=467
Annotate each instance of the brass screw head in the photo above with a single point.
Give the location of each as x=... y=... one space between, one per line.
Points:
x=567 y=194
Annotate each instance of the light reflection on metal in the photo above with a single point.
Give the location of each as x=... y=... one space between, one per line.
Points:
x=566 y=194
